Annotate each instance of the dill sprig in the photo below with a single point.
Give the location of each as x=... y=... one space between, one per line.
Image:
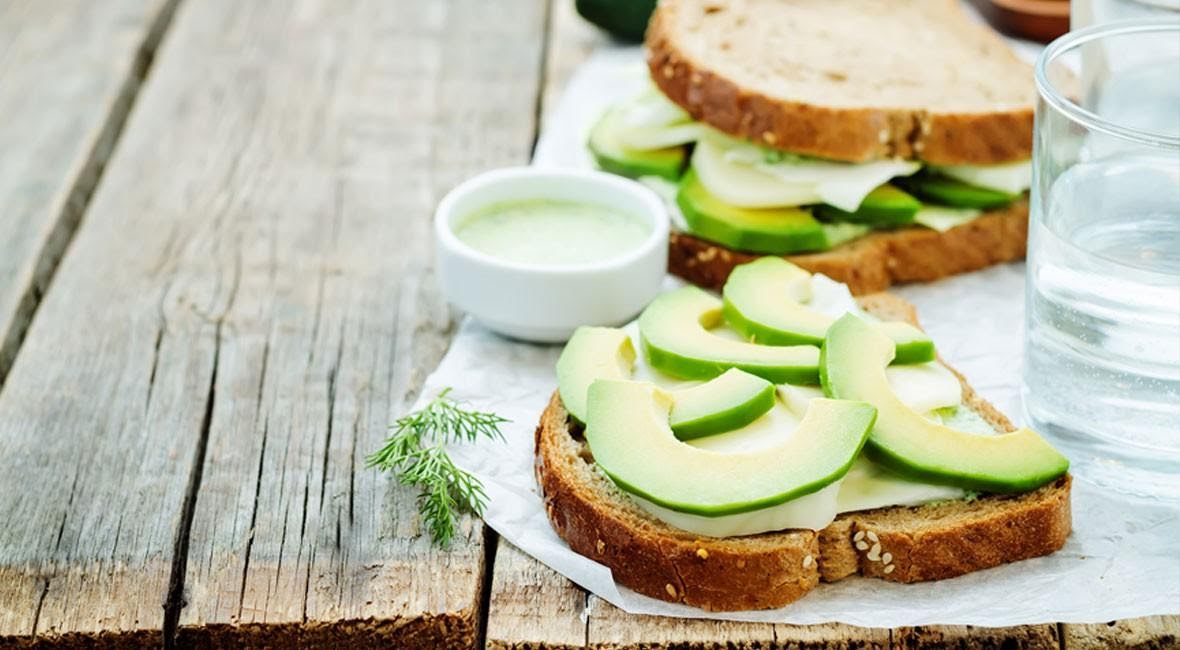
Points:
x=416 y=453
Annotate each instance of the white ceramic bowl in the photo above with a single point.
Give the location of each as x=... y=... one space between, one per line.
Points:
x=547 y=303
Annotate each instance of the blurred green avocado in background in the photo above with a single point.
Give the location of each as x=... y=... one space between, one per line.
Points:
x=623 y=19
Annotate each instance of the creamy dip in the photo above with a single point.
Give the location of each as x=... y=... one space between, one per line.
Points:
x=552 y=232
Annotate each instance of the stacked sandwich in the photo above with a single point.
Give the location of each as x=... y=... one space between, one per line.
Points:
x=872 y=141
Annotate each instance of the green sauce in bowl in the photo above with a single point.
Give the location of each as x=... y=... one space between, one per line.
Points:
x=548 y=232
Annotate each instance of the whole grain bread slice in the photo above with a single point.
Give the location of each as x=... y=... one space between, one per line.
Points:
x=850 y=80
x=901 y=544
x=878 y=260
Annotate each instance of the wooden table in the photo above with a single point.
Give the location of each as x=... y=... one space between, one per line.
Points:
x=215 y=293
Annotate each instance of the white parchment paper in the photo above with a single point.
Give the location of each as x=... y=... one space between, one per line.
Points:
x=1122 y=560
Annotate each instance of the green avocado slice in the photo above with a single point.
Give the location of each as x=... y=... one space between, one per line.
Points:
x=592 y=353
x=612 y=156
x=632 y=443
x=728 y=402
x=774 y=231
x=762 y=301
x=853 y=367
x=886 y=206
x=676 y=340
x=948 y=191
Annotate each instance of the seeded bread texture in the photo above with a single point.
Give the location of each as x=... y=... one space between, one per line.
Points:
x=850 y=80
x=901 y=544
x=877 y=260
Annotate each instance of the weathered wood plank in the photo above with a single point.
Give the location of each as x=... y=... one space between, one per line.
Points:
x=247 y=298
x=1032 y=637
x=337 y=128
x=1149 y=633
x=68 y=74
x=532 y=606
x=610 y=628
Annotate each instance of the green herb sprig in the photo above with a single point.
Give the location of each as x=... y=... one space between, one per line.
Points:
x=416 y=453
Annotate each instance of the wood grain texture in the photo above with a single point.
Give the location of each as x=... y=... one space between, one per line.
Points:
x=1149 y=633
x=532 y=606
x=69 y=72
x=245 y=308
x=968 y=637
x=611 y=628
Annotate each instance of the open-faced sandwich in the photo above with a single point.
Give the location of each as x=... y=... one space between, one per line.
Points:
x=874 y=141
x=782 y=435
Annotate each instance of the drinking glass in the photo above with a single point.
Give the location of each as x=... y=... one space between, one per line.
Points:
x=1083 y=13
x=1102 y=319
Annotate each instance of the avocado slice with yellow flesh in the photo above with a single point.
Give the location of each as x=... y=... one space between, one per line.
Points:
x=775 y=231
x=763 y=302
x=615 y=157
x=853 y=367
x=728 y=402
x=885 y=206
x=674 y=330
x=628 y=433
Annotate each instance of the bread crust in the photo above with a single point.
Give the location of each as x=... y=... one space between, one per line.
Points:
x=878 y=260
x=769 y=570
x=850 y=134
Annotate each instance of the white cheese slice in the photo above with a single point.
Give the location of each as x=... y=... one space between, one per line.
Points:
x=923 y=387
x=868 y=485
x=745 y=186
x=651 y=108
x=1013 y=178
x=658 y=137
x=942 y=219
x=652 y=121
x=812 y=512
x=843 y=185
x=747 y=176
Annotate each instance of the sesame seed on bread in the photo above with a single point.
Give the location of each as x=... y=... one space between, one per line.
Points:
x=851 y=80
x=901 y=544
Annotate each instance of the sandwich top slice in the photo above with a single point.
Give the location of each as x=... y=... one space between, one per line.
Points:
x=845 y=134
x=852 y=80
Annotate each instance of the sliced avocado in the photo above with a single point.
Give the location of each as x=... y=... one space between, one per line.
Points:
x=768 y=230
x=763 y=302
x=592 y=353
x=948 y=191
x=725 y=403
x=885 y=206
x=853 y=367
x=676 y=340
x=612 y=156
x=632 y=443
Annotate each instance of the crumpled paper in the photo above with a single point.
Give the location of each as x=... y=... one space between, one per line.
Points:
x=1122 y=560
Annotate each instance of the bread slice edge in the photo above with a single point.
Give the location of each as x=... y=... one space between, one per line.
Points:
x=849 y=134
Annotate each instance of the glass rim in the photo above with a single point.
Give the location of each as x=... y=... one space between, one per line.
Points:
x=1076 y=113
